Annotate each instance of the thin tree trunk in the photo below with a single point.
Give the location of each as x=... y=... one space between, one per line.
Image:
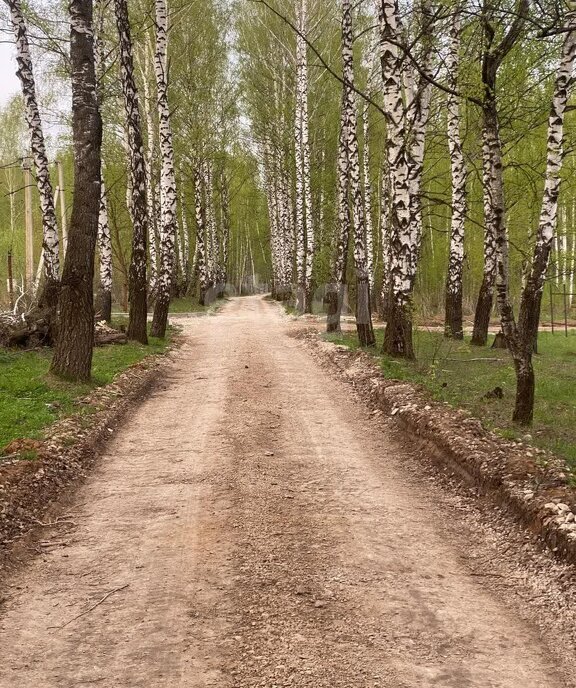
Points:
x=306 y=175
x=336 y=291
x=300 y=229
x=138 y=310
x=453 y=324
x=368 y=196
x=151 y=202
x=200 y=235
x=104 y=305
x=185 y=243
x=529 y=316
x=50 y=246
x=105 y=249
x=363 y=302
x=385 y=231
x=226 y=228
x=168 y=194
x=486 y=295
x=73 y=353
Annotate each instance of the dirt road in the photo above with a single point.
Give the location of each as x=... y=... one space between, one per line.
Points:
x=255 y=528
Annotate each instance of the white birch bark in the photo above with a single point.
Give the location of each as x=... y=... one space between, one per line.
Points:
x=104 y=236
x=305 y=141
x=104 y=242
x=363 y=314
x=150 y=148
x=453 y=324
x=300 y=228
x=403 y=235
x=137 y=205
x=199 y=207
x=368 y=195
x=184 y=242
x=211 y=228
x=385 y=230
x=25 y=73
x=554 y=158
x=168 y=193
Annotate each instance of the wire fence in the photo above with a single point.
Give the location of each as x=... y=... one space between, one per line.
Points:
x=566 y=305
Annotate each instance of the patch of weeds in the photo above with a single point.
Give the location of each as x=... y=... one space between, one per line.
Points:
x=31 y=398
x=462 y=375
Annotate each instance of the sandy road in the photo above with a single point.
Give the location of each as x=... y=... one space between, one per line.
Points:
x=268 y=534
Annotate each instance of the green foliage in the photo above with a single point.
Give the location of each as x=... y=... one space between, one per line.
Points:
x=461 y=375
x=31 y=399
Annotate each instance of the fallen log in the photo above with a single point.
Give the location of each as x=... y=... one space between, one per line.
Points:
x=103 y=338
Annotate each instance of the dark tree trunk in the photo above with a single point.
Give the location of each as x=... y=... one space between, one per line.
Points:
x=453 y=328
x=398 y=333
x=364 y=326
x=483 y=312
x=73 y=353
x=104 y=306
x=525 y=388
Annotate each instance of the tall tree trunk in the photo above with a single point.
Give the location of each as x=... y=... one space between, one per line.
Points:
x=73 y=353
x=306 y=175
x=104 y=305
x=150 y=159
x=138 y=310
x=105 y=249
x=403 y=234
x=336 y=291
x=200 y=235
x=529 y=316
x=385 y=231
x=300 y=217
x=453 y=324
x=368 y=195
x=168 y=196
x=211 y=228
x=185 y=243
x=363 y=302
x=49 y=296
x=486 y=295
x=226 y=228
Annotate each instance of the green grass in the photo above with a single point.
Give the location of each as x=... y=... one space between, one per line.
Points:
x=31 y=399
x=460 y=374
x=188 y=305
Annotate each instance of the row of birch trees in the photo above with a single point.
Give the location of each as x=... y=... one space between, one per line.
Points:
x=117 y=60
x=420 y=110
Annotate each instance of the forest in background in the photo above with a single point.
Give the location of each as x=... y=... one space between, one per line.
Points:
x=221 y=81
x=405 y=157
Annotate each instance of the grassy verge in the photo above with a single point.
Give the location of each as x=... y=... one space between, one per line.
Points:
x=188 y=305
x=461 y=375
x=31 y=399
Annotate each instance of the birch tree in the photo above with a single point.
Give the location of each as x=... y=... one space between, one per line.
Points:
x=104 y=306
x=337 y=289
x=168 y=193
x=138 y=306
x=72 y=358
x=403 y=234
x=453 y=326
x=200 y=212
x=363 y=305
x=300 y=214
x=521 y=338
x=25 y=73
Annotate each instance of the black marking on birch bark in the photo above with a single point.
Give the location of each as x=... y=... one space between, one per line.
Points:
x=25 y=73
x=137 y=324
